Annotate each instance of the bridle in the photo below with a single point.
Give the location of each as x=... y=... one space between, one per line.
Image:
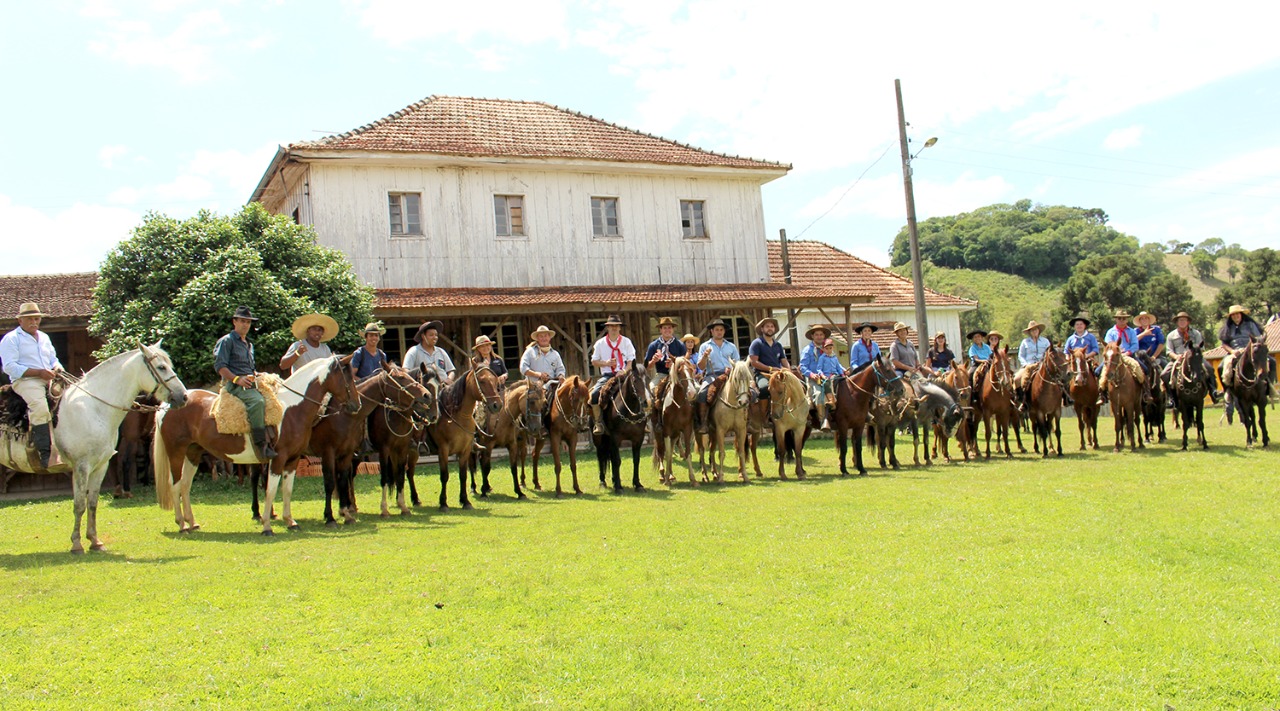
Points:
x=745 y=393
x=580 y=422
x=624 y=411
x=335 y=365
x=787 y=393
x=160 y=382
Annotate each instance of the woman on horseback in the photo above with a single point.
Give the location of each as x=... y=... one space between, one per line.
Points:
x=939 y=358
x=1236 y=333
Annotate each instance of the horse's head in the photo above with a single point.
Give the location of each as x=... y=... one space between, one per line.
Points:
x=572 y=399
x=404 y=392
x=740 y=383
x=786 y=392
x=339 y=383
x=428 y=406
x=1080 y=365
x=534 y=396
x=160 y=368
x=682 y=375
x=485 y=387
x=1056 y=362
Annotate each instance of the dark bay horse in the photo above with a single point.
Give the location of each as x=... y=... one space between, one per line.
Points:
x=1125 y=393
x=1084 y=392
x=1154 y=407
x=566 y=416
x=508 y=429
x=183 y=434
x=997 y=403
x=889 y=411
x=854 y=395
x=1189 y=392
x=136 y=431
x=455 y=432
x=1047 y=378
x=1249 y=386
x=624 y=410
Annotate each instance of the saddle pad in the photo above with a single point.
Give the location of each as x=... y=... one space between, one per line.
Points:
x=229 y=412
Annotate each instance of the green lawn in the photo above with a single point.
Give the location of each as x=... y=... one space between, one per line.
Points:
x=1141 y=580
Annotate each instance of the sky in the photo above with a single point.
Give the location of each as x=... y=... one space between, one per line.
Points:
x=1164 y=114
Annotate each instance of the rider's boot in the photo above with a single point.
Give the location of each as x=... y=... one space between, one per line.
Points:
x=595 y=415
x=700 y=417
x=261 y=444
x=42 y=442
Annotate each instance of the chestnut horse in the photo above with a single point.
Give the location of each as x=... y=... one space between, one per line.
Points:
x=565 y=417
x=997 y=403
x=1189 y=392
x=728 y=399
x=1084 y=391
x=507 y=429
x=1125 y=393
x=1045 y=411
x=183 y=434
x=623 y=408
x=455 y=432
x=672 y=420
x=854 y=395
x=1249 y=386
x=789 y=403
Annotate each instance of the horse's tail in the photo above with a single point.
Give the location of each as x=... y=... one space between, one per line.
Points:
x=160 y=466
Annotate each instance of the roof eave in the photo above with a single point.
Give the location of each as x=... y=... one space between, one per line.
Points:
x=282 y=155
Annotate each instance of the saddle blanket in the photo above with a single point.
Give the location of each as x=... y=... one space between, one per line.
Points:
x=230 y=415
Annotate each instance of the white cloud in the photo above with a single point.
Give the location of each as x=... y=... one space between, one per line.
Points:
x=73 y=240
x=1122 y=138
x=183 y=189
x=189 y=43
x=124 y=196
x=524 y=22
x=107 y=155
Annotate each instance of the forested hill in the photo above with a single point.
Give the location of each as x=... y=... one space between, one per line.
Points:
x=1005 y=302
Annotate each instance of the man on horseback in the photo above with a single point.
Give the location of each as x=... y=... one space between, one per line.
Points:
x=864 y=350
x=425 y=351
x=902 y=353
x=1081 y=336
x=1236 y=333
x=31 y=364
x=1126 y=337
x=233 y=361
x=1031 y=351
x=1178 y=344
x=820 y=387
x=541 y=365
x=313 y=332
x=979 y=356
x=611 y=354
x=663 y=351
x=766 y=355
x=715 y=358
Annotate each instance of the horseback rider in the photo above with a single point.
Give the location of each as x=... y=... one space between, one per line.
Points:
x=313 y=331
x=1031 y=351
x=1081 y=336
x=612 y=353
x=369 y=358
x=31 y=363
x=484 y=355
x=864 y=350
x=425 y=351
x=766 y=355
x=938 y=360
x=1150 y=337
x=826 y=372
x=715 y=358
x=663 y=351
x=902 y=353
x=233 y=361
x=690 y=342
x=820 y=387
x=1127 y=338
x=541 y=365
x=1237 y=331
x=1178 y=344
x=979 y=355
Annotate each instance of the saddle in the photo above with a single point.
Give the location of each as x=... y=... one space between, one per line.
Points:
x=232 y=418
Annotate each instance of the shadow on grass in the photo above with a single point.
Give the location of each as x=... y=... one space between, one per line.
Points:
x=22 y=561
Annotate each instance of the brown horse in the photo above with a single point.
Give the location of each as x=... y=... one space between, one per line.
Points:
x=854 y=396
x=997 y=403
x=182 y=434
x=136 y=431
x=888 y=411
x=672 y=421
x=1249 y=387
x=757 y=417
x=1084 y=391
x=957 y=379
x=624 y=410
x=565 y=417
x=1046 y=378
x=397 y=436
x=508 y=429
x=789 y=403
x=1125 y=393
x=455 y=432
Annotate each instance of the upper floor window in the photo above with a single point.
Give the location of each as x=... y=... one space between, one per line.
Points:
x=604 y=217
x=405 y=212
x=508 y=212
x=692 y=224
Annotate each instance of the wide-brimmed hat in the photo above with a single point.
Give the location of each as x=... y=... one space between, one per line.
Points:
x=1033 y=324
x=900 y=326
x=542 y=329
x=866 y=324
x=243 y=312
x=374 y=327
x=1237 y=309
x=717 y=322
x=614 y=320
x=1080 y=317
x=688 y=337
x=975 y=332
x=1182 y=314
x=483 y=340
x=303 y=323
x=1143 y=314
x=939 y=334
x=438 y=326
x=667 y=321
x=29 y=309
x=995 y=333
x=767 y=319
x=1121 y=313
x=814 y=329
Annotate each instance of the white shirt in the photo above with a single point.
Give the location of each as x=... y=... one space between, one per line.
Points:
x=602 y=351
x=20 y=350
x=313 y=353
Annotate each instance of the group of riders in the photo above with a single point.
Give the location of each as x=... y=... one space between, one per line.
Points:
x=30 y=361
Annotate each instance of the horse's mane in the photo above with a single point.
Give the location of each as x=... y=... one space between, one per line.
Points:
x=741 y=372
x=452 y=395
x=794 y=385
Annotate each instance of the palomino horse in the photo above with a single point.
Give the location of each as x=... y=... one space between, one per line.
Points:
x=1153 y=407
x=672 y=421
x=565 y=417
x=997 y=403
x=181 y=436
x=1125 y=394
x=623 y=409
x=936 y=411
x=507 y=429
x=1249 y=386
x=1189 y=392
x=1046 y=400
x=88 y=425
x=728 y=414
x=1084 y=392
x=854 y=396
x=789 y=402
x=455 y=432
x=957 y=380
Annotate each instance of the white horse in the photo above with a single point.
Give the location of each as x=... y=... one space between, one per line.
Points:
x=89 y=418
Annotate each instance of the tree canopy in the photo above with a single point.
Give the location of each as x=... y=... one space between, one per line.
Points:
x=1258 y=287
x=181 y=281
x=1102 y=284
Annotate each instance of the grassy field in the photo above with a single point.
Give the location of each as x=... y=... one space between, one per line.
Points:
x=1100 y=580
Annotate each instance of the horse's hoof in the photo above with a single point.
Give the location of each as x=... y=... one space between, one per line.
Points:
x=520 y=495
x=639 y=487
x=184 y=529
x=77 y=550
x=406 y=512
x=331 y=524
x=193 y=527
x=98 y=546
x=559 y=493
x=268 y=532
x=294 y=526
x=467 y=505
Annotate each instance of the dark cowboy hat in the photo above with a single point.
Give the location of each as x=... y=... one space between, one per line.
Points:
x=417 y=337
x=718 y=322
x=243 y=312
x=866 y=324
x=1080 y=317
x=1182 y=314
x=614 y=320
x=814 y=329
x=975 y=332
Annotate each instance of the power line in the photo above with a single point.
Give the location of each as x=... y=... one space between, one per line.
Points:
x=846 y=192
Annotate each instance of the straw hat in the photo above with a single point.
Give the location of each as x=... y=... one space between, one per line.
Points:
x=1121 y=313
x=667 y=321
x=542 y=329
x=995 y=333
x=814 y=329
x=767 y=319
x=30 y=309
x=243 y=312
x=374 y=327
x=1182 y=314
x=417 y=337
x=1142 y=315
x=304 y=323
x=483 y=340
x=689 y=337
x=939 y=334
x=614 y=320
x=900 y=326
x=1238 y=309
x=1033 y=324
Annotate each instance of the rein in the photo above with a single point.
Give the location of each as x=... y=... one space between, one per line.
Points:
x=631 y=416
x=73 y=382
x=578 y=422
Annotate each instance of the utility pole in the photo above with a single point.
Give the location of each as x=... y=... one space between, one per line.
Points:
x=922 y=325
x=791 y=313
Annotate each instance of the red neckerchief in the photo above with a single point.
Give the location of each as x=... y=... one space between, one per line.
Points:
x=616 y=350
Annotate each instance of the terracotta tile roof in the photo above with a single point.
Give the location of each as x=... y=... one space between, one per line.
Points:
x=455 y=125
x=570 y=297
x=818 y=263
x=1271 y=331
x=58 y=295
x=882 y=336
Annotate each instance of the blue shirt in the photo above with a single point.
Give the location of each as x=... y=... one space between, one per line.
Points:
x=1152 y=342
x=980 y=352
x=809 y=359
x=769 y=354
x=828 y=365
x=717 y=359
x=20 y=351
x=1128 y=340
x=674 y=349
x=1033 y=351
x=367 y=363
x=1088 y=342
x=233 y=353
x=861 y=355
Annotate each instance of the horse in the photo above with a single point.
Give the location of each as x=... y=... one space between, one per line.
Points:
x=888 y=411
x=758 y=415
x=854 y=395
x=958 y=382
x=86 y=426
x=728 y=398
x=623 y=402
x=136 y=431
x=672 y=420
x=508 y=430
x=789 y=405
x=1249 y=387
x=1045 y=403
x=1125 y=394
x=181 y=436
x=1189 y=391
x=455 y=432
x=566 y=415
x=1084 y=392
x=396 y=435
x=1153 y=408
x=936 y=411
x=997 y=403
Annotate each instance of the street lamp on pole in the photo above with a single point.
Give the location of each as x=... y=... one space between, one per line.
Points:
x=922 y=325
